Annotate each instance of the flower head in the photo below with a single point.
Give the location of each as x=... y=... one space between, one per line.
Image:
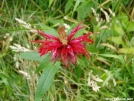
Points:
x=65 y=47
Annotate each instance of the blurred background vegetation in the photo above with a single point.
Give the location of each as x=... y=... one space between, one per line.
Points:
x=112 y=54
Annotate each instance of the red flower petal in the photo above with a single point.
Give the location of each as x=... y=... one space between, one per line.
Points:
x=48 y=35
x=43 y=51
x=75 y=30
x=79 y=49
x=73 y=58
x=54 y=52
x=64 y=52
x=84 y=38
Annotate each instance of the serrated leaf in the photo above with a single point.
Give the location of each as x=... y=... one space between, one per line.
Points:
x=34 y=56
x=46 y=80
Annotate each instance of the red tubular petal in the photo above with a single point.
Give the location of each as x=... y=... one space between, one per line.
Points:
x=54 y=52
x=66 y=62
x=75 y=30
x=74 y=41
x=84 y=38
x=48 y=35
x=55 y=44
x=43 y=51
x=64 y=53
x=73 y=58
x=79 y=49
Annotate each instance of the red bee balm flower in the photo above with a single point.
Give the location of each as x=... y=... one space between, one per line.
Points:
x=65 y=47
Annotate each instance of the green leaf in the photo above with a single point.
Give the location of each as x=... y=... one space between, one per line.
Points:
x=119 y=30
x=44 y=63
x=116 y=40
x=78 y=72
x=132 y=42
x=123 y=17
x=79 y=33
x=48 y=29
x=84 y=10
x=55 y=22
x=126 y=50
x=131 y=88
x=113 y=56
x=92 y=49
x=3 y=75
x=68 y=5
x=34 y=56
x=130 y=26
x=76 y=4
x=46 y=80
x=109 y=75
x=50 y=2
